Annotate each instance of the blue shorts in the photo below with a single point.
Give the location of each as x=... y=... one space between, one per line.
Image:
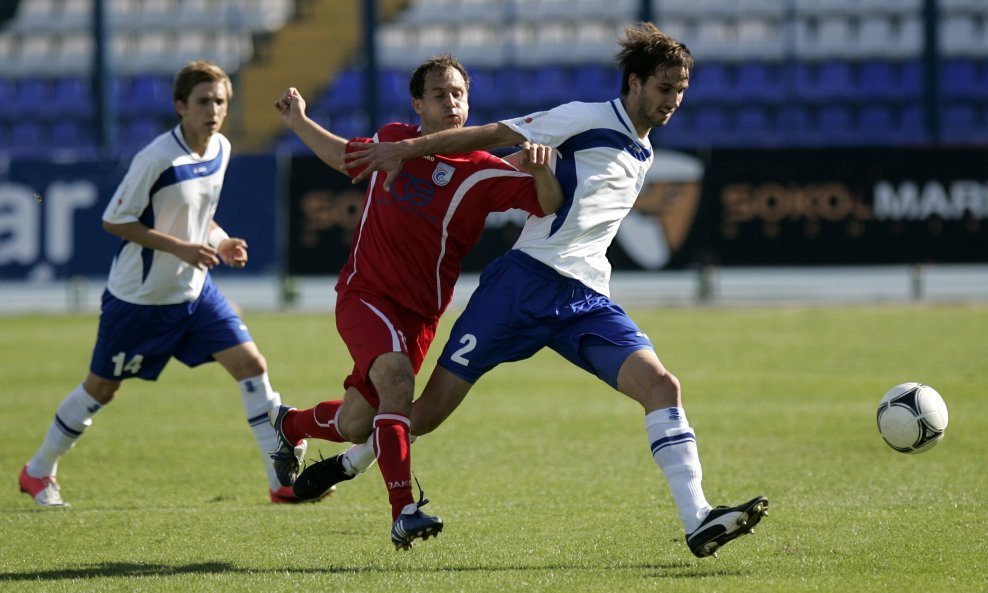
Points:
x=138 y=340
x=522 y=305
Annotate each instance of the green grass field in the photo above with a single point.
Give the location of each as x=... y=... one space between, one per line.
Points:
x=543 y=476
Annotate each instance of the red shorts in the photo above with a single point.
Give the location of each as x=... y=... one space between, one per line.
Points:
x=370 y=326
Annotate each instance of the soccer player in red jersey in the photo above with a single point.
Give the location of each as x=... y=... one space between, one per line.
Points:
x=399 y=278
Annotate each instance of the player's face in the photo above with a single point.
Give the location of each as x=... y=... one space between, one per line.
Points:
x=445 y=103
x=203 y=114
x=651 y=102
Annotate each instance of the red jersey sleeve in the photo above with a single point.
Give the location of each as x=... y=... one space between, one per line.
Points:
x=349 y=148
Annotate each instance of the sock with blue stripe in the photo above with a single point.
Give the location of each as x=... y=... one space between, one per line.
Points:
x=259 y=399
x=674 y=451
x=73 y=417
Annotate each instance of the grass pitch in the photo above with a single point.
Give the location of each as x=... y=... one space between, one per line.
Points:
x=543 y=476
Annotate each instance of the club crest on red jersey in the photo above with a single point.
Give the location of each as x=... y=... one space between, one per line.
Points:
x=442 y=174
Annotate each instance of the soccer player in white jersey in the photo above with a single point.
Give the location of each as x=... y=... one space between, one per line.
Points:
x=551 y=289
x=160 y=301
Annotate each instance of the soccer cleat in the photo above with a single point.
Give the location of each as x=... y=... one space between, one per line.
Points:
x=320 y=478
x=410 y=526
x=288 y=457
x=45 y=491
x=724 y=524
x=284 y=495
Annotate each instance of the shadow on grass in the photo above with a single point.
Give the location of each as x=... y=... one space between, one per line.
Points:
x=130 y=569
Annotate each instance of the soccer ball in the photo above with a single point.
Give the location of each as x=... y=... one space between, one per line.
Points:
x=912 y=417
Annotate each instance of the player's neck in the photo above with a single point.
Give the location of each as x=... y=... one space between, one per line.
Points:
x=197 y=142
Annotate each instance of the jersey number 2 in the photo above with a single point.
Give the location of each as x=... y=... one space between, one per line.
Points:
x=469 y=342
x=120 y=365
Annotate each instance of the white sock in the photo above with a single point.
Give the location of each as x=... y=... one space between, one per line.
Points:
x=358 y=458
x=674 y=450
x=73 y=417
x=259 y=399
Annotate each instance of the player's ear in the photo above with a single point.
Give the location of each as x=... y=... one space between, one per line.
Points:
x=417 y=106
x=634 y=83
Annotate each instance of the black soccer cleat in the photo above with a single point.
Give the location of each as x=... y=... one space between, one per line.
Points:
x=410 y=526
x=320 y=478
x=724 y=524
x=288 y=458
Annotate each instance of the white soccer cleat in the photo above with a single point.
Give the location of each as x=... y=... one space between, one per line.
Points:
x=44 y=490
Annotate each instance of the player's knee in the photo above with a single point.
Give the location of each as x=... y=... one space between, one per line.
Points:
x=353 y=433
x=394 y=380
x=665 y=392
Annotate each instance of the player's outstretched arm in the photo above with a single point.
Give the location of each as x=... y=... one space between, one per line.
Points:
x=389 y=156
x=327 y=146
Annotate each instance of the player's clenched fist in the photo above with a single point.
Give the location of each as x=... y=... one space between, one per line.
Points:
x=291 y=106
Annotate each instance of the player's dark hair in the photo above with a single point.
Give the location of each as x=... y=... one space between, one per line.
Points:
x=646 y=50
x=442 y=62
x=197 y=72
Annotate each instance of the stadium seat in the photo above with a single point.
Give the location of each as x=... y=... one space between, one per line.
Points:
x=148 y=95
x=72 y=135
x=596 y=82
x=30 y=93
x=136 y=133
x=963 y=36
x=70 y=97
x=551 y=86
x=877 y=79
x=392 y=88
x=712 y=82
x=479 y=45
x=755 y=125
x=759 y=81
x=8 y=90
x=485 y=90
x=835 y=125
x=711 y=125
x=964 y=78
x=877 y=125
x=346 y=92
x=28 y=134
x=825 y=81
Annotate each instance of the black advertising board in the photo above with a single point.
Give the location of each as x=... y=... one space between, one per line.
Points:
x=840 y=207
x=729 y=208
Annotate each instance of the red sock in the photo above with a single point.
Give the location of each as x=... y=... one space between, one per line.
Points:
x=394 y=458
x=314 y=423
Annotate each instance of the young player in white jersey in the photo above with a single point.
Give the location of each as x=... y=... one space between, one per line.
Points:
x=160 y=301
x=552 y=288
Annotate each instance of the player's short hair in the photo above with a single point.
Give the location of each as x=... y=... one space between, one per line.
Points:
x=442 y=62
x=195 y=73
x=646 y=49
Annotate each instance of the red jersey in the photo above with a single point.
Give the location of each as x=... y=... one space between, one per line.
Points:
x=410 y=241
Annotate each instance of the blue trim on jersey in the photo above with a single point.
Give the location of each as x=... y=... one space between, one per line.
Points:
x=679 y=439
x=617 y=113
x=566 y=165
x=147 y=254
x=180 y=173
x=566 y=174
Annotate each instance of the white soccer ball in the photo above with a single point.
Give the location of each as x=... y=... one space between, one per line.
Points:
x=912 y=417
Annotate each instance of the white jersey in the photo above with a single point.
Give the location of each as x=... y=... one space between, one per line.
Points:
x=601 y=168
x=173 y=190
